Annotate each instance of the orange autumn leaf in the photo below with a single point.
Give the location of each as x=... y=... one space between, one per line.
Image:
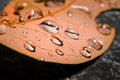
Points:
x=58 y=31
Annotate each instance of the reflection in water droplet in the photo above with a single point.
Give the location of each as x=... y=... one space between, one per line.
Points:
x=56 y=41
x=59 y=52
x=49 y=26
x=34 y=15
x=72 y=34
x=69 y=13
x=94 y=43
x=85 y=52
x=3 y=29
x=54 y=3
x=80 y=7
x=104 y=29
x=29 y=47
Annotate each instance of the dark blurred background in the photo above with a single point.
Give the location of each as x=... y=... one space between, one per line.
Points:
x=14 y=66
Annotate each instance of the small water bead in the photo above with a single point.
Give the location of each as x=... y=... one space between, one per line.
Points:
x=29 y=47
x=3 y=29
x=42 y=59
x=3 y=13
x=104 y=29
x=69 y=13
x=80 y=7
x=97 y=45
x=71 y=34
x=59 y=52
x=50 y=26
x=86 y=52
x=54 y=3
x=56 y=41
x=25 y=34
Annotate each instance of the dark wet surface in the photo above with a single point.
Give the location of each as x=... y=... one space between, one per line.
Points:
x=14 y=66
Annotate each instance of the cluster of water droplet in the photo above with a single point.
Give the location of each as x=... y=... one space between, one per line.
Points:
x=26 y=11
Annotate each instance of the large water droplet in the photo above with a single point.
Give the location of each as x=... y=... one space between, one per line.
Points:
x=3 y=29
x=59 y=52
x=85 y=52
x=54 y=3
x=29 y=47
x=104 y=29
x=56 y=41
x=72 y=34
x=94 y=43
x=49 y=26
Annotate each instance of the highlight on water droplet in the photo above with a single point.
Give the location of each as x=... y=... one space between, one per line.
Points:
x=3 y=29
x=29 y=46
x=50 y=26
x=69 y=13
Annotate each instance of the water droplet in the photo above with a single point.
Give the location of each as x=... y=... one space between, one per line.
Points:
x=56 y=41
x=6 y=22
x=38 y=39
x=112 y=3
x=3 y=29
x=58 y=17
x=30 y=13
x=49 y=26
x=42 y=59
x=59 y=52
x=104 y=29
x=69 y=13
x=85 y=52
x=102 y=5
x=29 y=46
x=94 y=43
x=80 y=7
x=72 y=34
x=50 y=54
x=51 y=12
x=54 y=3
x=41 y=47
x=3 y=13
